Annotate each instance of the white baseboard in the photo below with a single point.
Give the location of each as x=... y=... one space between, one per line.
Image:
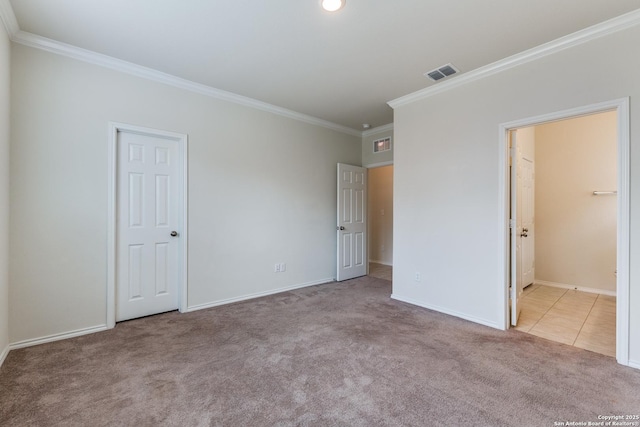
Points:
x=57 y=337
x=100 y=328
x=449 y=312
x=3 y=355
x=256 y=295
x=390 y=264
x=634 y=364
x=577 y=288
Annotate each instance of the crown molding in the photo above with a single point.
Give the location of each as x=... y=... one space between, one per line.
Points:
x=379 y=129
x=8 y=18
x=602 y=29
x=59 y=48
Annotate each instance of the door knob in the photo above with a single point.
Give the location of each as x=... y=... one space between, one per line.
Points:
x=523 y=234
x=174 y=233
x=525 y=230
x=340 y=228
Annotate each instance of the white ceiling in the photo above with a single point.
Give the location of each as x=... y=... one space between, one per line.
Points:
x=341 y=67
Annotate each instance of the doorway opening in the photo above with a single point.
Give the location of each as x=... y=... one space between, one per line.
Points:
x=550 y=268
x=564 y=174
x=380 y=220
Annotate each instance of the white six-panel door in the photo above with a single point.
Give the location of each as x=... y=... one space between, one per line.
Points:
x=526 y=215
x=352 y=222
x=522 y=225
x=147 y=233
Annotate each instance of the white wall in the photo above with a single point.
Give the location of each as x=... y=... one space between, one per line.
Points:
x=5 y=55
x=575 y=230
x=261 y=190
x=446 y=159
x=380 y=208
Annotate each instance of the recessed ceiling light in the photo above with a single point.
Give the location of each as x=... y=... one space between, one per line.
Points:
x=366 y=126
x=332 y=5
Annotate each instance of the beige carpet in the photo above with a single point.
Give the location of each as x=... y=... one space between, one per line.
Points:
x=340 y=354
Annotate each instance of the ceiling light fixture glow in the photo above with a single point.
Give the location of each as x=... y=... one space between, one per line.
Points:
x=332 y=5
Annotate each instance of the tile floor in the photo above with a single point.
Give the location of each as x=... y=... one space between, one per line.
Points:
x=571 y=317
x=380 y=271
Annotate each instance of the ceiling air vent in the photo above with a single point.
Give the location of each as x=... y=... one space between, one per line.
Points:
x=441 y=73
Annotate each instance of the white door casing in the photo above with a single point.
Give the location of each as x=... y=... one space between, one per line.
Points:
x=515 y=229
x=352 y=222
x=147 y=267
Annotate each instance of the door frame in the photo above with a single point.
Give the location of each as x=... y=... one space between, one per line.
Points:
x=112 y=206
x=621 y=106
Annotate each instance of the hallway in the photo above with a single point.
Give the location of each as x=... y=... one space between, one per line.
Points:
x=380 y=271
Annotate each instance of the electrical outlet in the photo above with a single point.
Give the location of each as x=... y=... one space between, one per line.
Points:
x=381 y=248
x=417 y=277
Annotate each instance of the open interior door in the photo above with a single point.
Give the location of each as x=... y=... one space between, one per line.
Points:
x=522 y=153
x=526 y=217
x=352 y=222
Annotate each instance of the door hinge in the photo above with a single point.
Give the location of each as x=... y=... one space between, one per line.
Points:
x=512 y=223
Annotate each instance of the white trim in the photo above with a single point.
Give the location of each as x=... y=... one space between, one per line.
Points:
x=183 y=298
x=59 y=48
x=622 y=267
x=504 y=220
x=621 y=106
x=8 y=18
x=634 y=364
x=112 y=178
x=379 y=129
x=112 y=174
x=576 y=288
x=4 y=354
x=257 y=295
x=57 y=337
x=594 y=32
x=454 y=313
x=378 y=165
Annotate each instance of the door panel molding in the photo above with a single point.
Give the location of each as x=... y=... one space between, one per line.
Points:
x=621 y=106
x=182 y=142
x=352 y=222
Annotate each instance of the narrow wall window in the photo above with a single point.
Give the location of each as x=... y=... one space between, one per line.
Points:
x=383 y=144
